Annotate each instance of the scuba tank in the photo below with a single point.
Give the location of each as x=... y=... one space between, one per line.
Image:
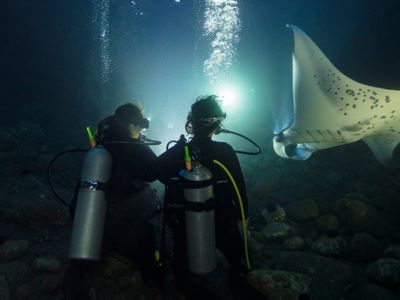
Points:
x=200 y=219
x=87 y=232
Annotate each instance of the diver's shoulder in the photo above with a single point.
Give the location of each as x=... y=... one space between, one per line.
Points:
x=222 y=145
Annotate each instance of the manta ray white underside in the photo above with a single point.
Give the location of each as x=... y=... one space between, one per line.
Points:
x=330 y=109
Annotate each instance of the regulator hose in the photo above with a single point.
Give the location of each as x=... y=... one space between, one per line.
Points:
x=258 y=151
x=49 y=178
x=244 y=223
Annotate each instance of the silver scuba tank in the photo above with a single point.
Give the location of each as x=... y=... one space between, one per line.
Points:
x=87 y=232
x=200 y=220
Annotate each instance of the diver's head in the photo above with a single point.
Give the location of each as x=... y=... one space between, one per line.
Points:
x=131 y=113
x=205 y=116
x=130 y=117
x=127 y=122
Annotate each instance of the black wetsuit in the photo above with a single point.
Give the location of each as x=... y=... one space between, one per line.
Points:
x=227 y=211
x=131 y=202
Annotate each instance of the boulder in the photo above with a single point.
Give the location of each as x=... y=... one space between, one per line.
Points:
x=38 y=286
x=330 y=246
x=392 y=251
x=13 y=249
x=329 y=277
x=279 y=285
x=302 y=211
x=4 y=290
x=357 y=216
x=369 y=291
x=327 y=224
x=29 y=132
x=15 y=272
x=34 y=207
x=47 y=263
x=385 y=271
x=274 y=231
x=275 y=213
x=118 y=278
x=364 y=247
x=295 y=243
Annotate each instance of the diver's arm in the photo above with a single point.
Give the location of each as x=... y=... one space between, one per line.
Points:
x=170 y=163
x=150 y=167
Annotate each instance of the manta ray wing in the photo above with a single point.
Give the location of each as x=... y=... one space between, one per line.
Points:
x=330 y=109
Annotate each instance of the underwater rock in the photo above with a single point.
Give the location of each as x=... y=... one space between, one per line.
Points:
x=13 y=249
x=327 y=224
x=364 y=247
x=117 y=278
x=357 y=216
x=4 y=290
x=279 y=285
x=35 y=207
x=258 y=236
x=114 y=265
x=381 y=199
x=330 y=246
x=385 y=271
x=329 y=277
x=22 y=161
x=15 y=272
x=356 y=196
x=294 y=244
x=38 y=286
x=369 y=291
x=302 y=211
x=392 y=251
x=255 y=246
x=7 y=142
x=24 y=184
x=276 y=230
x=29 y=132
x=274 y=213
x=47 y=263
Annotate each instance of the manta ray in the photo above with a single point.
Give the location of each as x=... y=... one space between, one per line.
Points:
x=331 y=109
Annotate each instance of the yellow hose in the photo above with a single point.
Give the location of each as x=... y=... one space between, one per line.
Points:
x=244 y=224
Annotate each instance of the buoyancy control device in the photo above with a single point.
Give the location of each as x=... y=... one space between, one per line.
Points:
x=199 y=206
x=199 y=219
x=87 y=232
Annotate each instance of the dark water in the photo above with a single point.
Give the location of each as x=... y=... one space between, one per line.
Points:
x=52 y=61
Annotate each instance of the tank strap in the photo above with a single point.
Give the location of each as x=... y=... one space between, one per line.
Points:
x=208 y=205
x=94 y=185
x=189 y=184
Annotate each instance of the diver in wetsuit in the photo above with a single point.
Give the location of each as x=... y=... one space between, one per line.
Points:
x=203 y=122
x=131 y=203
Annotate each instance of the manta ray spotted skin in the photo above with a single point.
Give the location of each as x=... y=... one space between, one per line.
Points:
x=330 y=109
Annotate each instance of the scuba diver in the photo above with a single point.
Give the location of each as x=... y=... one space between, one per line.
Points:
x=203 y=122
x=130 y=201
